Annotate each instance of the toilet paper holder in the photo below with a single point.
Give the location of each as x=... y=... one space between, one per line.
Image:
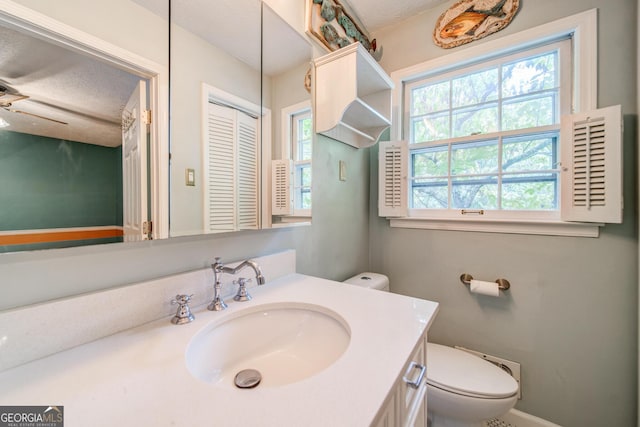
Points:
x=503 y=284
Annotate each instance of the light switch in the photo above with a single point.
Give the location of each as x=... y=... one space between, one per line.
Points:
x=190 y=177
x=343 y=170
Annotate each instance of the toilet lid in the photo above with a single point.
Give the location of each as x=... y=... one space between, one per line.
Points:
x=463 y=373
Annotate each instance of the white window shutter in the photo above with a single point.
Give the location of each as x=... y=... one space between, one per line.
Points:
x=219 y=162
x=392 y=179
x=247 y=189
x=281 y=192
x=592 y=166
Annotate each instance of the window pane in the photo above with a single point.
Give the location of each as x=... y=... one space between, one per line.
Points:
x=430 y=194
x=530 y=75
x=487 y=136
x=475 y=193
x=306 y=199
x=304 y=150
x=302 y=190
x=305 y=128
x=303 y=176
x=530 y=192
x=431 y=162
x=430 y=128
x=529 y=154
x=475 y=88
x=302 y=198
x=303 y=138
x=529 y=111
x=427 y=99
x=474 y=158
x=475 y=120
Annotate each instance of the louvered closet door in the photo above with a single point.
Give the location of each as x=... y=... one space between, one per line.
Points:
x=247 y=189
x=220 y=210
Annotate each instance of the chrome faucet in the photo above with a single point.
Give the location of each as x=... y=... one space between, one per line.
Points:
x=218 y=268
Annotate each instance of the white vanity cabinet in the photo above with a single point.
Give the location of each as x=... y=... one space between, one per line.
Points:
x=407 y=403
x=352 y=96
x=133 y=369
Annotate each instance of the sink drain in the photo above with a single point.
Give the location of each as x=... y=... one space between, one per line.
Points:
x=248 y=378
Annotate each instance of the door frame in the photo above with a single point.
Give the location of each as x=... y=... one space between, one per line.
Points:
x=135 y=172
x=158 y=91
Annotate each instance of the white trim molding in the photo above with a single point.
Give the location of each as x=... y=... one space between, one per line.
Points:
x=545 y=228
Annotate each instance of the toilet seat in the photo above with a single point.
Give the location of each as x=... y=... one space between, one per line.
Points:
x=459 y=372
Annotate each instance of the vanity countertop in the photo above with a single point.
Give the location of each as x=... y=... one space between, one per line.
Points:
x=139 y=376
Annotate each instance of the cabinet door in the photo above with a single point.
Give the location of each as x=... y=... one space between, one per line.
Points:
x=413 y=389
x=388 y=417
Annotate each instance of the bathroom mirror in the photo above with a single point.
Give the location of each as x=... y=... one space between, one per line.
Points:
x=215 y=109
x=65 y=96
x=232 y=70
x=232 y=66
x=287 y=81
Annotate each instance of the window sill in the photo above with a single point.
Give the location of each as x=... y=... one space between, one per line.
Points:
x=291 y=221
x=545 y=228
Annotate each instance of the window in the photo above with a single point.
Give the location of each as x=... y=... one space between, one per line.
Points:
x=500 y=142
x=291 y=176
x=485 y=137
x=301 y=139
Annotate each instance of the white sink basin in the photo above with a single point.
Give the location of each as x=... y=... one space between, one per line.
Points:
x=286 y=343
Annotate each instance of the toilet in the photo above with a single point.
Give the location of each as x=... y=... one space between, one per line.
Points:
x=463 y=390
x=370 y=280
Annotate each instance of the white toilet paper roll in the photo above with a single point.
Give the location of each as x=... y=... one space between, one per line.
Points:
x=485 y=288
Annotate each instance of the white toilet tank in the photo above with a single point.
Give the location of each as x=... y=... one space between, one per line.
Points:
x=370 y=280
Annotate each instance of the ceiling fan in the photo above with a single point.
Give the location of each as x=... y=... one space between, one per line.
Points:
x=7 y=99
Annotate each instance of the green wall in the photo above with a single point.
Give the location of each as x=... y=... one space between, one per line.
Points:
x=570 y=317
x=52 y=183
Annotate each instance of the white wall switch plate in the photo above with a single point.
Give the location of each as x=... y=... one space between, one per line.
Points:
x=190 y=177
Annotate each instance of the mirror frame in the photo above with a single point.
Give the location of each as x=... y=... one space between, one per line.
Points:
x=42 y=26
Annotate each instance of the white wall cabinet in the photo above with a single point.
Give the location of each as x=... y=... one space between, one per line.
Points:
x=406 y=404
x=352 y=96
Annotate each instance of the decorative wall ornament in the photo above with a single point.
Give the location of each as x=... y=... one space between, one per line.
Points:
x=333 y=25
x=307 y=80
x=470 y=20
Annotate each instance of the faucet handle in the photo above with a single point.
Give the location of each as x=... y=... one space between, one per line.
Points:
x=183 y=315
x=242 y=294
x=181 y=299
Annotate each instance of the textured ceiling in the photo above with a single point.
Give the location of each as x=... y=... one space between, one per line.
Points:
x=376 y=14
x=61 y=85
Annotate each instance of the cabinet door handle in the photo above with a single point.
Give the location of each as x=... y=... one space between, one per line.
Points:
x=414 y=383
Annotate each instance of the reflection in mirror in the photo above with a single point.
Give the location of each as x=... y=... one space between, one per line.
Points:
x=229 y=82
x=66 y=112
x=286 y=57
x=215 y=116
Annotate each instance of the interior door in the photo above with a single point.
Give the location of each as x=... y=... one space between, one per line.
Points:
x=134 y=166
